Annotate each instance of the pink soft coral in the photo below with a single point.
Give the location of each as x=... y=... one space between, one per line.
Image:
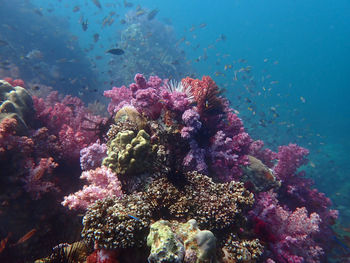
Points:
x=35 y=182
x=103 y=183
x=290 y=158
x=291 y=233
x=69 y=120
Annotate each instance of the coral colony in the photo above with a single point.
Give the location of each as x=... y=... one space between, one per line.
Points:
x=172 y=176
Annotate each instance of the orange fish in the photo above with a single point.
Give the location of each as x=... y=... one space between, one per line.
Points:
x=26 y=237
x=3 y=242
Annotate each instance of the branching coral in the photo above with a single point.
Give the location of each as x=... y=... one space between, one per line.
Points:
x=241 y=250
x=118 y=223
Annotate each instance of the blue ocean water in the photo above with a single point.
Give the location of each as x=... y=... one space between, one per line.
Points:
x=293 y=56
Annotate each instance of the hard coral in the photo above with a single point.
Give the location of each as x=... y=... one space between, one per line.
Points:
x=180 y=242
x=130 y=153
x=122 y=222
x=199 y=197
x=236 y=250
x=16 y=103
x=118 y=222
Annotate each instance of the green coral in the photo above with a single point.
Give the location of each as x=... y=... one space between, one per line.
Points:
x=180 y=242
x=15 y=102
x=165 y=246
x=129 y=153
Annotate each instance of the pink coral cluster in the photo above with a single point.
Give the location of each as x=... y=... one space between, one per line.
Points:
x=69 y=120
x=290 y=158
x=35 y=182
x=15 y=82
x=103 y=183
x=9 y=141
x=290 y=234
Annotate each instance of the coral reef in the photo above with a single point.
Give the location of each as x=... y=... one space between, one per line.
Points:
x=290 y=234
x=69 y=120
x=179 y=160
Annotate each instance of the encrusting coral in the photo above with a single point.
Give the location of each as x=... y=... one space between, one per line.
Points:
x=180 y=242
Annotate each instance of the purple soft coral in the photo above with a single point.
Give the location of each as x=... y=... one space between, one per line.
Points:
x=191 y=119
x=91 y=156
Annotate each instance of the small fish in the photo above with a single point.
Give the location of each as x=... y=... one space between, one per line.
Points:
x=134 y=217
x=97 y=3
x=223 y=37
x=5 y=63
x=122 y=21
x=76 y=8
x=116 y=51
x=84 y=24
x=3 y=43
x=193 y=28
x=26 y=237
x=229 y=66
x=152 y=14
x=141 y=12
x=38 y=11
x=274 y=82
x=202 y=25
x=128 y=4
x=3 y=242
x=96 y=37
x=34 y=54
x=111 y=21
x=303 y=100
